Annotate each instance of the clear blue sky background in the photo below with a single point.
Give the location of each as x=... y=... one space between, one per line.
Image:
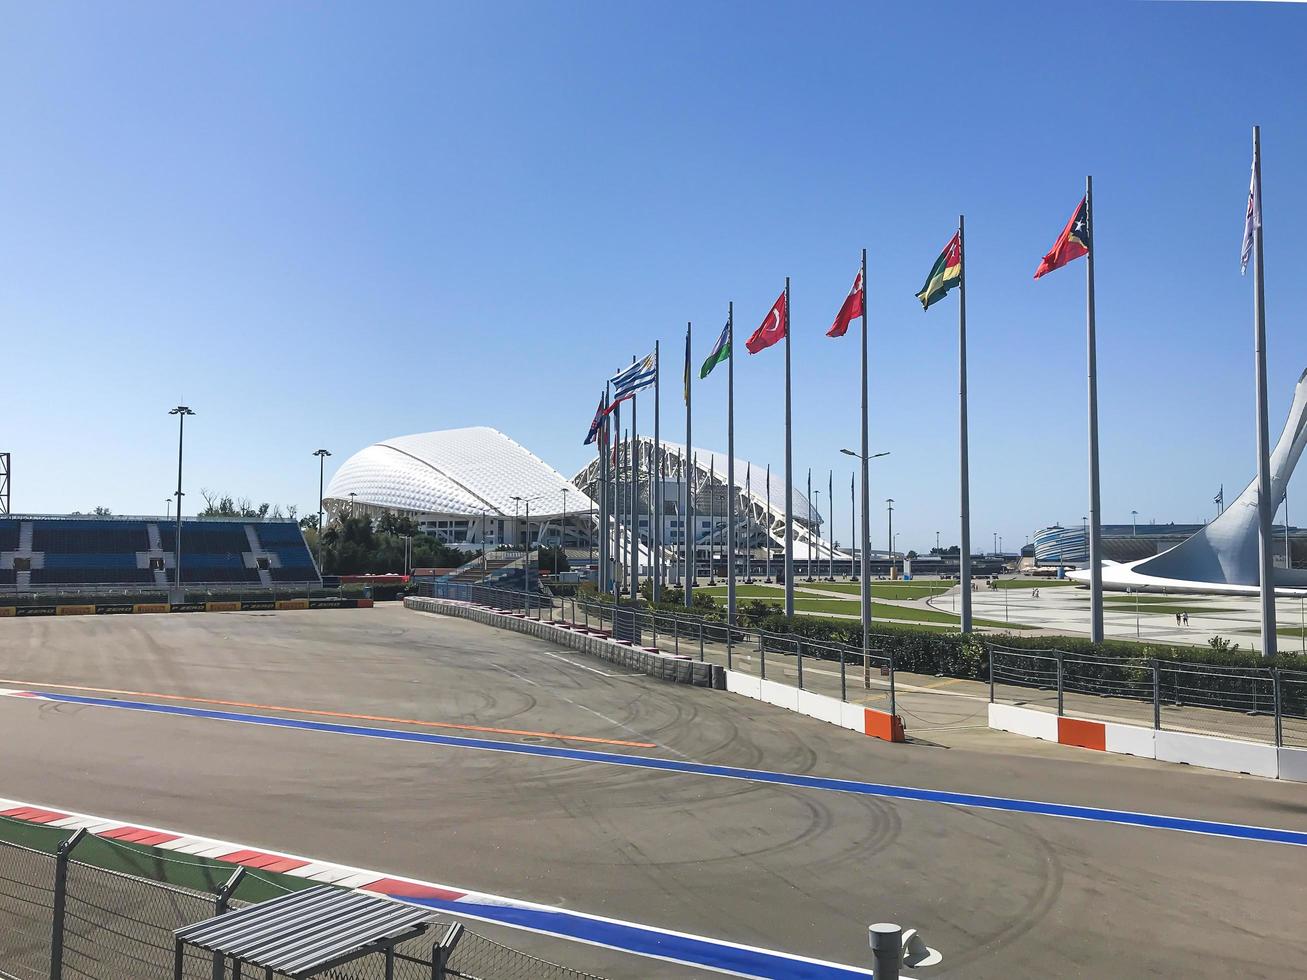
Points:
x=322 y=225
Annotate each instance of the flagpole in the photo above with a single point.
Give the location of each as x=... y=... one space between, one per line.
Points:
x=615 y=501
x=748 y=524
x=769 y=524
x=865 y=587
x=810 y=534
x=1265 y=506
x=1095 y=515
x=689 y=490
x=964 y=547
x=694 y=536
x=635 y=501
x=830 y=505
x=656 y=476
x=789 y=470
x=730 y=471
x=601 y=580
x=853 y=515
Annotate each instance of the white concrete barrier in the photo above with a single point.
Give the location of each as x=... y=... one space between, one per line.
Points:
x=819 y=706
x=781 y=695
x=1130 y=740
x=1023 y=721
x=853 y=717
x=1217 y=753
x=745 y=685
x=1292 y=764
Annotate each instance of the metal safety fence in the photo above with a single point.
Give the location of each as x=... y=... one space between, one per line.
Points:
x=1255 y=704
x=821 y=666
x=66 y=920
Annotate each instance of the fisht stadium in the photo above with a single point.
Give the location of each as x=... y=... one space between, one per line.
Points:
x=471 y=488
x=474 y=487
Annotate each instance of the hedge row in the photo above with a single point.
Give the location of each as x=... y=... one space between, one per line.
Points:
x=955 y=655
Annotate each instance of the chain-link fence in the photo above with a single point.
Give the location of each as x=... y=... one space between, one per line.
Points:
x=821 y=666
x=64 y=919
x=1254 y=704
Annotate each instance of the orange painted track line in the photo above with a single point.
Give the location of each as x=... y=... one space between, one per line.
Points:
x=334 y=714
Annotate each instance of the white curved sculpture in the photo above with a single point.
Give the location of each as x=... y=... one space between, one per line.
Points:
x=1223 y=556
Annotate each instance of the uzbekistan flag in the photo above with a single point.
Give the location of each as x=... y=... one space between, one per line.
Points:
x=944 y=274
x=721 y=351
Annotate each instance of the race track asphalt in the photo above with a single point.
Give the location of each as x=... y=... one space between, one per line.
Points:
x=1001 y=894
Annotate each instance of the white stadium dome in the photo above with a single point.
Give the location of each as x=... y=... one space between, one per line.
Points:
x=453 y=479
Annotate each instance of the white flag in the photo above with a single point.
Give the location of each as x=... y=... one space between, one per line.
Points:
x=1253 y=219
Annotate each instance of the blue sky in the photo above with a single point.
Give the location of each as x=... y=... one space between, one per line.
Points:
x=323 y=226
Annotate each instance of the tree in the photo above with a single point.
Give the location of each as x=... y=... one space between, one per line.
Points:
x=553 y=560
x=227 y=506
x=102 y=512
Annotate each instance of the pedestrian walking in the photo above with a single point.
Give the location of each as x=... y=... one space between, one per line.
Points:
x=1177 y=619
x=1186 y=618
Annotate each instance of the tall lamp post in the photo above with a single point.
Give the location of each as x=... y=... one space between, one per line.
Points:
x=1134 y=528
x=181 y=411
x=322 y=455
x=865 y=558
x=817 y=507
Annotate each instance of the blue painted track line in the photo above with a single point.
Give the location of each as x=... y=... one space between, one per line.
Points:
x=1129 y=818
x=717 y=955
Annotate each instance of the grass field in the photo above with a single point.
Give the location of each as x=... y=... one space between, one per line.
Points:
x=885 y=590
x=879 y=590
x=879 y=610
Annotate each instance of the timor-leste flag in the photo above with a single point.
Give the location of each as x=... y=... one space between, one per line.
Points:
x=854 y=307
x=1071 y=244
x=944 y=274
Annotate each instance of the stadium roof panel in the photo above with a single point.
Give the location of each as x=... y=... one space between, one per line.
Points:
x=454 y=471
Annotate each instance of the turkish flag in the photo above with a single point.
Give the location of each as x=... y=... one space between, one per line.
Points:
x=854 y=307
x=773 y=328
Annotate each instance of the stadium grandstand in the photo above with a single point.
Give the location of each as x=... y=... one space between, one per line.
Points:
x=51 y=553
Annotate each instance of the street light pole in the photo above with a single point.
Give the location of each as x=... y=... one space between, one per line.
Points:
x=181 y=411
x=322 y=455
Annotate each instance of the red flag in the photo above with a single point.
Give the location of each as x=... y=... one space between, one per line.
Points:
x=854 y=307
x=773 y=328
x=1071 y=244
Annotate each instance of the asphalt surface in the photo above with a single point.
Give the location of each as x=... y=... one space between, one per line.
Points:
x=1000 y=894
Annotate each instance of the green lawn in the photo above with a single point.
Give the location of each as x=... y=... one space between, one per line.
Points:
x=879 y=610
x=1166 y=606
x=880 y=590
x=885 y=590
x=184 y=870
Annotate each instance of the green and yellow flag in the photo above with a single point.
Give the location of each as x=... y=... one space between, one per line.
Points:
x=944 y=274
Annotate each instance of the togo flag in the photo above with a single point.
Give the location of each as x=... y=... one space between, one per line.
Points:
x=944 y=274
x=720 y=352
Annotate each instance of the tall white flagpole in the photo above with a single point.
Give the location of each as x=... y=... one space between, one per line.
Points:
x=1095 y=511
x=1265 y=506
x=691 y=551
x=656 y=490
x=730 y=470
x=964 y=466
x=789 y=470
